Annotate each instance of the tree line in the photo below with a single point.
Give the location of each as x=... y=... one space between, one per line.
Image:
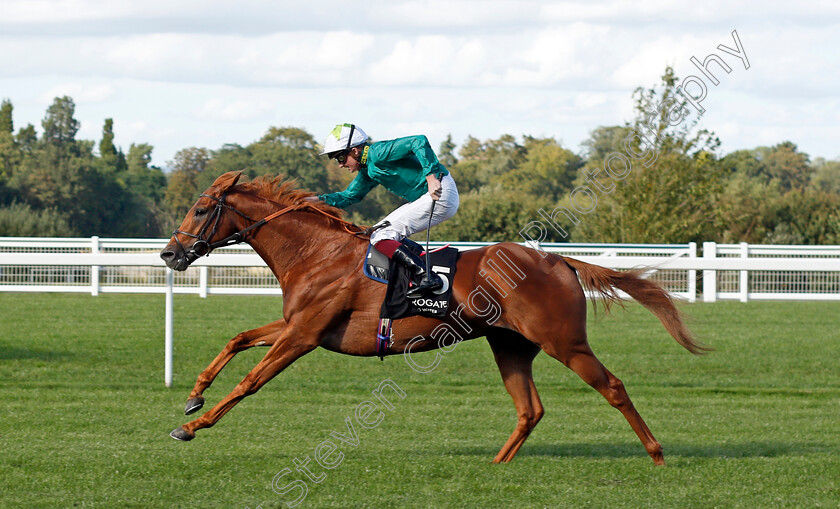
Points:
x=673 y=185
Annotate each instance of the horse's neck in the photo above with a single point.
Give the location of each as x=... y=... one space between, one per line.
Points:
x=300 y=242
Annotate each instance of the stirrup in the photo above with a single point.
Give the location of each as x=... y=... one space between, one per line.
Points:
x=433 y=282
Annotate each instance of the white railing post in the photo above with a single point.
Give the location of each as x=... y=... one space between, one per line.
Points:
x=167 y=362
x=202 y=281
x=692 y=274
x=744 y=276
x=709 y=276
x=94 y=270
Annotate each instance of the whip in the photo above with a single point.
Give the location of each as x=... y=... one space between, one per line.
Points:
x=428 y=253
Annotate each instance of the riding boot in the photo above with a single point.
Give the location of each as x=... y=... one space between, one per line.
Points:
x=417 y=268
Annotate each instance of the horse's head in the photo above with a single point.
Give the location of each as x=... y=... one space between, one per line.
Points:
x=206 y=226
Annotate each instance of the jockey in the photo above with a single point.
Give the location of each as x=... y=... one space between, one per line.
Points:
x=409 y=168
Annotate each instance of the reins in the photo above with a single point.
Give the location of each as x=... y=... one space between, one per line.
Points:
x=202 y=246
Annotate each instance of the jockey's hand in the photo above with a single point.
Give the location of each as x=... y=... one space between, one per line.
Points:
x=311 y=198
x=434 y=187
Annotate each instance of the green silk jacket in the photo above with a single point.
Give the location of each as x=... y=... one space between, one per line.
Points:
x=399 y=165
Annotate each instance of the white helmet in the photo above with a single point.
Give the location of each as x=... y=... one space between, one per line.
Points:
x=343 y=137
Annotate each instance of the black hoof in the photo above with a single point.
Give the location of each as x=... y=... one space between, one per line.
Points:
x=193 y=405
x=181 y=434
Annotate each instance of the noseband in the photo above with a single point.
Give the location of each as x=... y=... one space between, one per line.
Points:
x=202 y=246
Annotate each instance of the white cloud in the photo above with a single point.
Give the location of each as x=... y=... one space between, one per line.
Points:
x=556 y=54
x=208 y=72
x=217 y=109
x=435 y=60
x=586 y=100
x=81 y=93
x=52 y=11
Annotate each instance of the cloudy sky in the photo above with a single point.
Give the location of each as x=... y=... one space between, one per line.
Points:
x=182 y=73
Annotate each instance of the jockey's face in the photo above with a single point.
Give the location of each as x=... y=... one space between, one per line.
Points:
x=351 y=163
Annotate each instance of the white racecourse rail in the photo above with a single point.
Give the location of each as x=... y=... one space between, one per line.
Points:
x=92 y=265
x=727 y=271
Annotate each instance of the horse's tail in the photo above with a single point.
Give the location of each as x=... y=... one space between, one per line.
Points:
x=647 y=293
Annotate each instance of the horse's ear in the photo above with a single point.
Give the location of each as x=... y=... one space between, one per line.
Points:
x=227 y=180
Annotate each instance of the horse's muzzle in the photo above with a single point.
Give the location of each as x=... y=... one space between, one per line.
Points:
x=176 y=258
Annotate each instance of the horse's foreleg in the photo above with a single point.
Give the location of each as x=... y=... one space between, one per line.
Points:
x=514 y=356
x=589 y=368
x=262 y=336
x=285 y=351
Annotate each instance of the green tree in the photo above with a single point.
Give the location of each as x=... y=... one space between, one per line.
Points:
x=113 y=159
x=782 y=163
x=502 y=155
x=787 y=165
x=103 y=205
x=605 y=140
x=446 y=153
x=742 y=162
x=483 y=163
x=548 y=170
x=671 y=190
x=6 y=123
x=292 y=152
x=748 y=209
x=182 y=188
x=21 y=220
x=826 y=176
x=492 y=214
x=54 y=165
x=27 y=138
x=60 y=127
x=232 y=157
x=807 y=217
x=471 y=149
x=142 y=178
x=9 y=151
x=468 y=175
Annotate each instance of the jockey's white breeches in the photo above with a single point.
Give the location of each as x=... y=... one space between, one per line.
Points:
x=414 y=217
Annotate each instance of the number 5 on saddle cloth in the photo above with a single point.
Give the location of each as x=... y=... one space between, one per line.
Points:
x=397 y=305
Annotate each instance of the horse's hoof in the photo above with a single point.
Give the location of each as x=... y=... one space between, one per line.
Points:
x=181 y=434
x=193 y=404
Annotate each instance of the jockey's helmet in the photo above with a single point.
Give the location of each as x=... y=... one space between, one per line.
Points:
x=343 y=137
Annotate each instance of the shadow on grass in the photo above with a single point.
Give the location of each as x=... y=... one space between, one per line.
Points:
x=592 y=450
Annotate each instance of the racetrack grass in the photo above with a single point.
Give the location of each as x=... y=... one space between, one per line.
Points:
x=85 y=414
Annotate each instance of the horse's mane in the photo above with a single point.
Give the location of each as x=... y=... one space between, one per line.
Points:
x=284 y=191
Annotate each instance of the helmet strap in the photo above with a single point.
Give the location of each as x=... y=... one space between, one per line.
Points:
x=350 y=138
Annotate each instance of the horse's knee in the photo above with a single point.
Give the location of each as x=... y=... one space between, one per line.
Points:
x=616 y=395
x=248 y=386
x=239 y=342
x=539 y=412
x=529 y=418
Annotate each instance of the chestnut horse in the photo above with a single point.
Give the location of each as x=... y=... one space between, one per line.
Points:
x=537 y=299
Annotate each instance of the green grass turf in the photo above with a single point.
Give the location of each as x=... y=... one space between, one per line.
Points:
x=85 y=414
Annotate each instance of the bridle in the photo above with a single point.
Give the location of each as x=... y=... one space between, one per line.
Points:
x=202 y=246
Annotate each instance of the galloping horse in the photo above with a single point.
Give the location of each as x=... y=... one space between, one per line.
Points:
x=328 y=302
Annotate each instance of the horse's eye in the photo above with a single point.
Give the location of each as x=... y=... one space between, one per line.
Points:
x=200 y=212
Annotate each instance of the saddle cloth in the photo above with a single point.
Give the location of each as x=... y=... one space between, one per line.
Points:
x=396 y=305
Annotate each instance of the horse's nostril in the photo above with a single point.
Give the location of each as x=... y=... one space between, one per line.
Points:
x=167 y=255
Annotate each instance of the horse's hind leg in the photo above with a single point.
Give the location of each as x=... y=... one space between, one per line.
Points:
x=583 y=362
x=262 y=336
x=514 y=355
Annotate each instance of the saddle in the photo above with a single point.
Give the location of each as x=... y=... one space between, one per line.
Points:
x=397 y=304
x=378 y=267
